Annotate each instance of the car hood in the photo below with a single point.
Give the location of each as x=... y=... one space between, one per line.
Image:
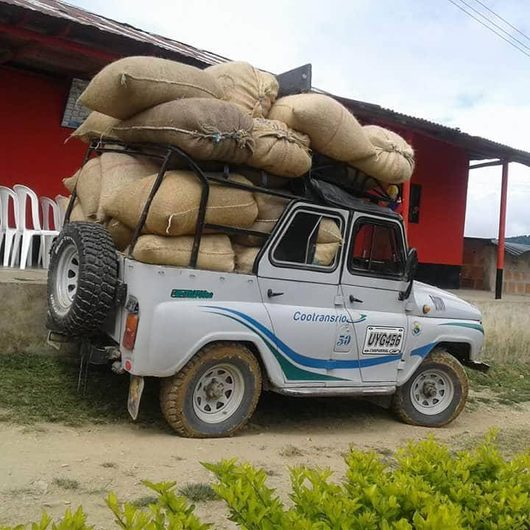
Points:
x=442 y=304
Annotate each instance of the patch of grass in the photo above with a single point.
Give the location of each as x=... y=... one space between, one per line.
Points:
x=109 y=464
x=510 y=383
x=507 y=330
x=16 y=492
x=143 y=502
x=510 y=441
x=66 y=483
x=40 y=388
x=290 y=451
x=198 y=492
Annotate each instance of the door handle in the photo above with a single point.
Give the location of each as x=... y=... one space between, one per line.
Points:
x=353 y=299
x=272 y=294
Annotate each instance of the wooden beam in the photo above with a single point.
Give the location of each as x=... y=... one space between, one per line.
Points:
x=502 y=232
x=487 y=164
x=58 y=42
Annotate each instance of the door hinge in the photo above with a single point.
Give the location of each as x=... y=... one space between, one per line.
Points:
x=339 y=300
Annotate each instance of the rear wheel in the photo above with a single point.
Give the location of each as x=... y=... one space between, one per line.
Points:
x=435 y=394
x=82 y=278
x=215 y=394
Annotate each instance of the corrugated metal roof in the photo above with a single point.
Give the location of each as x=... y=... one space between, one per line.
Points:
x=56 y=9
x=514 y=249
x=478 y=148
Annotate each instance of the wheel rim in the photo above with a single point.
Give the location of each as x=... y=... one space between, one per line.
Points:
x=67 y=278
x=431 y=392
x=218 y=393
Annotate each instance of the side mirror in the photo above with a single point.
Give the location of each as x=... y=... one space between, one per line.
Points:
x=411 y=266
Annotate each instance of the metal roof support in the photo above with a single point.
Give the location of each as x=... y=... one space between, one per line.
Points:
x=502 y=231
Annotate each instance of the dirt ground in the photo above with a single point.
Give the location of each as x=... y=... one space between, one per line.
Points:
x=284 y=432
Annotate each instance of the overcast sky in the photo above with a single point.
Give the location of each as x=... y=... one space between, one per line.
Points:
x=420 y=57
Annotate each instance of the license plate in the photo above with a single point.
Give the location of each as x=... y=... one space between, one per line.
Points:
x=383 y=340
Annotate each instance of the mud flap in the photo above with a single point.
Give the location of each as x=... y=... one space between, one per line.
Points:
x=136 y=387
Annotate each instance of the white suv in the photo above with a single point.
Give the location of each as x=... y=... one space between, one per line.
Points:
x=357 y=326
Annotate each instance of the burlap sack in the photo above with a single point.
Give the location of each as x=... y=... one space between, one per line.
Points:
x=329 y=231
x=279 y=150
x=69 y=182
x=89 y=187
x=333 y=130
x=121 y=234
x=96 y=126
x=77 y=213
x=270 y=208
x=393 y=161
x=130 y=85
x=245 y=258
x=207 y=129
x=175 y=207
x=325 y=254
x=120 y=170
x=215 y=252
x=253 y=90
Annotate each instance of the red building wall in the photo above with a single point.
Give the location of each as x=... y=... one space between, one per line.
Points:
x=442 y=172
x=32 y=148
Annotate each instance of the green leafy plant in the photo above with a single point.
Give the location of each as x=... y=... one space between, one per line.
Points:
x=423 y=486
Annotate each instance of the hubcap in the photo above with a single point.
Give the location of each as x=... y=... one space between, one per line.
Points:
x=218 y=393
x=67 y=278
x=431 y=392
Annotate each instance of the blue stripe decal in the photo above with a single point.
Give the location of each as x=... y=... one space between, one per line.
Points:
x=326 y=364
x=423 y=351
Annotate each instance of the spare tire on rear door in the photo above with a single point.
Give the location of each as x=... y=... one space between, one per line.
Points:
x=82 y=278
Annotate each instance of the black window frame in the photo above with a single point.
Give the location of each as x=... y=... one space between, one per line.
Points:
x=380 y=222
x=307 y=266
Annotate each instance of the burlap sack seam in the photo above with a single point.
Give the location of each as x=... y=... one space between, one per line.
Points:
x=283 y=135
x=186 y=212
x=241 y=136
x=168 y=82
x=330 y=232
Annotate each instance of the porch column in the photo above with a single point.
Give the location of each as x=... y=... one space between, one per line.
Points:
x=502 y=231
x=405 y=202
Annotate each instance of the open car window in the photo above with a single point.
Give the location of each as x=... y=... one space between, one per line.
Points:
x=377 y=249
x=312 y=240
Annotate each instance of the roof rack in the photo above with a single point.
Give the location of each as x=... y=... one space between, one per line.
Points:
x=310 y=188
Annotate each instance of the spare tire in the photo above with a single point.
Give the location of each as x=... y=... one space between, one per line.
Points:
x=82 y=278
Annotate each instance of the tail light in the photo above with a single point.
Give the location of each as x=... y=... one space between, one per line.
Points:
x=131 y=323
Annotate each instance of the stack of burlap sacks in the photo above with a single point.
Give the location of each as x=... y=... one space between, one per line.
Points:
x=228 y=113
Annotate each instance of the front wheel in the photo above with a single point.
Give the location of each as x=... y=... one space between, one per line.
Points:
x=435 y=394
x=215 y=394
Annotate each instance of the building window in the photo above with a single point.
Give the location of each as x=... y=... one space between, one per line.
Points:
x=414 y=203
x=377 y=249
x=75 y=113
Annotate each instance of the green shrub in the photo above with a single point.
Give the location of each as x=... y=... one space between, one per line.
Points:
x=424 y=486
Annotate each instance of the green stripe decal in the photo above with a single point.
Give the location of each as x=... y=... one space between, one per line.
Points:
x=477 y=327
x=291 y=371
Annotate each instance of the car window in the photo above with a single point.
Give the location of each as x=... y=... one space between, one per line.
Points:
x=377 y=248
x=311 y=240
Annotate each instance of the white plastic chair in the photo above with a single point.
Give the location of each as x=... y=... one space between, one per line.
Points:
x=51 y=211
x=28 y=196
x=7 y=231
x=62 y=202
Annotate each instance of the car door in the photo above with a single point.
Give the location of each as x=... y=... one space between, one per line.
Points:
x=372 y=279
x=299 y=278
